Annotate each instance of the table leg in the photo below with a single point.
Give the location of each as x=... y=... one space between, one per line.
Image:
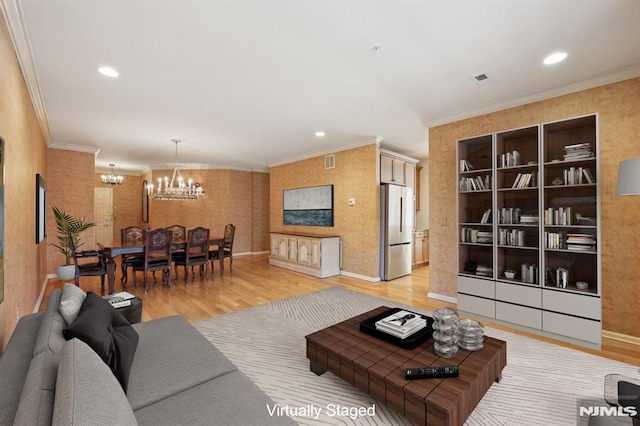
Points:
x=316 y=368
x=111 y=275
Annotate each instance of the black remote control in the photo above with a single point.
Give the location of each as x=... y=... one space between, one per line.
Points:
x=431 y=372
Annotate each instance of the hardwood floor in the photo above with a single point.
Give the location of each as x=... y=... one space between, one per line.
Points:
x=254 y=282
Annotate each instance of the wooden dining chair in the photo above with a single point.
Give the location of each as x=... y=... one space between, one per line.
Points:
x=130 y=235
x=195 y=254
x=178 y=232
x=229 y=233
x=95 y=268
x=157 y=257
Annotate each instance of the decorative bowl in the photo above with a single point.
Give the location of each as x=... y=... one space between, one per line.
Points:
x=582 y=285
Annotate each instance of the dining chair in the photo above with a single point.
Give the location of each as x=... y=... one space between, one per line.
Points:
x=130 y=235
x=195 y=254
x=229 y=233
x=157 y=257
x=178 y=232
x=96 y=268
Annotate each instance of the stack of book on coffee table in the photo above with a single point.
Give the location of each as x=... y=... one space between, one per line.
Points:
x=401 y=324
x=120 y=300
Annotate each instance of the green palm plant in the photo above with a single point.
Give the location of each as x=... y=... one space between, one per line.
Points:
x=67 y=224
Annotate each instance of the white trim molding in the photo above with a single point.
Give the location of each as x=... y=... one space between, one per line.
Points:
x=360 y=277
x=17 y=29
x=443 y=298
x=355 y=144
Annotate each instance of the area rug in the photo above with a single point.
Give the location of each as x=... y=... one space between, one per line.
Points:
x=541 y=384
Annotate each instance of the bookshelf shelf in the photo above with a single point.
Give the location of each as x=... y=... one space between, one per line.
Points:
x=540 y=208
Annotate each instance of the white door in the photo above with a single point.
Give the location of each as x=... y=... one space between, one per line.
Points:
x=103 y=210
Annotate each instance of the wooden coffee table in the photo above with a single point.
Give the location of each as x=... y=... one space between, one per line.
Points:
x=378 y=367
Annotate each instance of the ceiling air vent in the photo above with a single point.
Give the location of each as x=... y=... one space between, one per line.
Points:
x=330 y=161
x=482 y=79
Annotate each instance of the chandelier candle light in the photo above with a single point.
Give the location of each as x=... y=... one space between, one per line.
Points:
x=112 y=179
x=177 y=188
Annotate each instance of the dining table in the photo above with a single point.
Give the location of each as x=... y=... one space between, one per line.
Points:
x=111 y=251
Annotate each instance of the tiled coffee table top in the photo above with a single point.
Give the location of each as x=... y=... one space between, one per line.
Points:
x=378 y=367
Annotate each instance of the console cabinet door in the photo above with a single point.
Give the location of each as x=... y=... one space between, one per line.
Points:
x=283 y=247
x=316 y=253
x=304 y=255
x=293 y=249
x=274 y=246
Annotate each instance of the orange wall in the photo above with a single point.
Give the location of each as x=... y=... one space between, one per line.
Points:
x=231 y=196
x=618 y=106
x=25 y=155
x=355 y=176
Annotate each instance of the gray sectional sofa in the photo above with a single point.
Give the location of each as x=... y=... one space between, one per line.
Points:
x=177 y=377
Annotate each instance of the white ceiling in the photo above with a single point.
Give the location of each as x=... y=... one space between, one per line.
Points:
x=245 y=84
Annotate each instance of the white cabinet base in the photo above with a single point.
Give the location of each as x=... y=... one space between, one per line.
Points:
x=313 y=255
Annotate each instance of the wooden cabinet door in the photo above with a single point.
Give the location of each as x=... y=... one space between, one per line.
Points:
x=283 y=247
x=293 y=249
x=417 y=250
x=316 y=253
x=274 y=246
x=386 y=169
x=398 y=172
x=304 y=252
x=425 y=249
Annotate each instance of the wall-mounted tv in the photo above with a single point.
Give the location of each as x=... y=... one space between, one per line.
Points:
x=312 y=206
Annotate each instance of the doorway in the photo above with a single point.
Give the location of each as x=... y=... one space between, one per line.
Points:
x=103 y=210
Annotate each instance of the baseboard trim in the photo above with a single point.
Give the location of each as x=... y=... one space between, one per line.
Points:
x=360 y=277
x=625 y=338
x=442 y=297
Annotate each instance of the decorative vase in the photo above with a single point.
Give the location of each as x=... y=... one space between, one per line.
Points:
x=66 y=272
x=445 y=327
x=510 y=275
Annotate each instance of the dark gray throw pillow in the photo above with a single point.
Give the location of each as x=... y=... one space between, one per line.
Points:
x=108 y=333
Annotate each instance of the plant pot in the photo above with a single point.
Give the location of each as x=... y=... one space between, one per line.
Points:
x=510 y=275
x=66 y=272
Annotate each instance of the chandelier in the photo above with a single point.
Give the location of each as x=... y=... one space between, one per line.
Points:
x=176 y=188
x=112 y=179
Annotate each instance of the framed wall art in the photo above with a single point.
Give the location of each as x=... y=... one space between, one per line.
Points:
x=312 y=206
x=41 y=209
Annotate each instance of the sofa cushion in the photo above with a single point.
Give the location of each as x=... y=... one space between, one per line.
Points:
x=50 y=334
x=14 y=365
x=172 y=356
x=108 y=333
x=231 y=399
x=36 y=399
x=71 y=302
x=87 y=392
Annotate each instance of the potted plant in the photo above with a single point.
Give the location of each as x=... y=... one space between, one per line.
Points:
x=67 y=224
x=510 y=273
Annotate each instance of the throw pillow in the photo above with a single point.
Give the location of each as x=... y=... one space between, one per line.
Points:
x=70 y=302
x=108 y=333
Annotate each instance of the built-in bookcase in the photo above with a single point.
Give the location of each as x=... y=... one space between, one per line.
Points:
x=528 y=224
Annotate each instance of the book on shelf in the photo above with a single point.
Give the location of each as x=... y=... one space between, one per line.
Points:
x=509 y=159
x=486 y=216
x=402 y=324
x=578 y=151
x=465 y=166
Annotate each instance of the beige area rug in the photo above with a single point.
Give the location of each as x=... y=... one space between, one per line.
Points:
x=541 y=384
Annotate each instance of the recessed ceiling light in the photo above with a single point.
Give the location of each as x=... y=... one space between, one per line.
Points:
x=554 y=58
x=108 y=71
x=320 y=134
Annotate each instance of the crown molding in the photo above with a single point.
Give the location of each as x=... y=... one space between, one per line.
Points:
x=79 y=148
x=369 y=140
x=14 y=18
x=621 y=74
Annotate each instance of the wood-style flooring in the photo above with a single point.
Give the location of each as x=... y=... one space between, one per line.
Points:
x=254 y=282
